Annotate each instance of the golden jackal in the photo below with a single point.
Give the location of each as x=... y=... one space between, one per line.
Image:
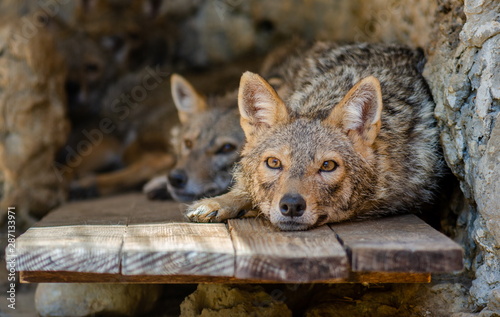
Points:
x=206 y=144
x=355 y=137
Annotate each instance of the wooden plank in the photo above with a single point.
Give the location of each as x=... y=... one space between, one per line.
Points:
x=398 y=244
x=265 y=253
x=130 y=239
x=178 y=248
x=87 y=236
x=106 y=211
x=72 y=277
x=77 y=248
x=144 y=211
x=115 y=210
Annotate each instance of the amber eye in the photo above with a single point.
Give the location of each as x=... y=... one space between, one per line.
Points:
x=226 y=148
x=328 y=166
x=188 y=144
x=273 y=163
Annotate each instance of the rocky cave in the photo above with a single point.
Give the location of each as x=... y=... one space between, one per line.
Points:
x=45 y=44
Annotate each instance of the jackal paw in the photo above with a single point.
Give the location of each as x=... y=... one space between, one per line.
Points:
x=83 y=188
x=211 y=210
x=156 y=188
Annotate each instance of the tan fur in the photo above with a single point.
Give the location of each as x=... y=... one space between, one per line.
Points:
x=207 y=143
x=256 y=90
x=209 y=124
x=138 y=140
x=144 y=146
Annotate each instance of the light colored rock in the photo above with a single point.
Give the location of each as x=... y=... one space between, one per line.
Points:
x=32 y=118
x=212 y=300
x=463 y=74
x=54 y=299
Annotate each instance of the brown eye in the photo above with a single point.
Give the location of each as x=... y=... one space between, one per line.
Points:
x=273 y=163
x=226 y=148
x=188 y=144
x=328 y=166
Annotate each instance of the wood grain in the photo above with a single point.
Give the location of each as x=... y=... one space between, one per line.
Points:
x=263 y=252
x=146 y=211
x=398 y=244
x=117 y=210
x=87 y=236
x=72 y=277
x=77 y=248
x=178 y=248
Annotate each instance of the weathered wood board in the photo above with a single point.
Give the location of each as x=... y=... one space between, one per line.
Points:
x=398 y=244
x=76 y=248
x=87 y=236
x=264 y=252
x=74 y=277
x=178 y=249
x=128 y=239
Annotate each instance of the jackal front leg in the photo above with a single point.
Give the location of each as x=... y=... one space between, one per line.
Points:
x=235 y=204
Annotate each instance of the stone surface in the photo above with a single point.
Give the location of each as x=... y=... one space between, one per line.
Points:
x=229 y=300
x=53 y=299
x=462 y=71
x=222 y=30
x=441 y=299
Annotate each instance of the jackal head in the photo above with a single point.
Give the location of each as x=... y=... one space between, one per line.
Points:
x=307 y=170
x=207 y=143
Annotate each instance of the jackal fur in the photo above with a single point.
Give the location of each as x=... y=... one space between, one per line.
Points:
x=352 y=136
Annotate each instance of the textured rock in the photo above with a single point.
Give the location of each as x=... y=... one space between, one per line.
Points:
x=228 y=300
x=89 y=299
x=441 y=299
x=32 y=118
x=224 y=29
x=462 y=71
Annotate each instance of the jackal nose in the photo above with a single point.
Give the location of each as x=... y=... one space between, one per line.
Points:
x=292 y=205
x=177 y=178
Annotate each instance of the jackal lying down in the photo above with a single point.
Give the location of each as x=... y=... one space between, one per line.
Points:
x=355 y=137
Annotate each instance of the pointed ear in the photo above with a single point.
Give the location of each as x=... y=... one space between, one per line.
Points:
x=187 y=100
x=259 y=104
x=358 y=113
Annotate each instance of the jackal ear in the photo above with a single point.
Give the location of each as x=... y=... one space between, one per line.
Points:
x=358 y=113
x=259 y=104
x=187 y=100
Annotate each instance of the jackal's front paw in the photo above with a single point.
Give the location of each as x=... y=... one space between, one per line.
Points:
x=212 y=210
x=156 y=188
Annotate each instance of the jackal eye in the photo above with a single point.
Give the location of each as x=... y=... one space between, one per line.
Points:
x=273 y=163
x=328 y=166
x=226 y=148
x=188 y=143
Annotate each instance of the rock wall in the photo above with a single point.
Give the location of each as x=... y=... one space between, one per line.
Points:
x=90 y=299
x=32 y=119
x=224 y=29
x=463 y=71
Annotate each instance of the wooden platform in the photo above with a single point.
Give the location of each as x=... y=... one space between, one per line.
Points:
x=128 y=239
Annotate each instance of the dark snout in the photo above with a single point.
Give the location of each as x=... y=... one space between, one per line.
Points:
x=292 y=205
x=177 y=178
